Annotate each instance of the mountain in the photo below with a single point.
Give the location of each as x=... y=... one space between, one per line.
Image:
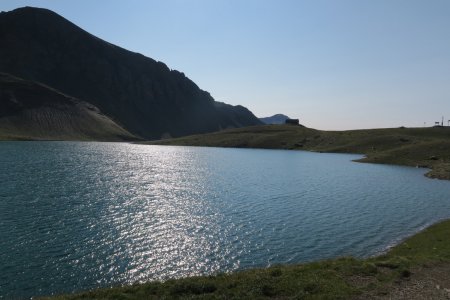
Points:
x=144 y=95
x=275 y=119
x=29 y=110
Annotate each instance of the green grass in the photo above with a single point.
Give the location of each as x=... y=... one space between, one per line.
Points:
x=341 y=278
x=424 y=147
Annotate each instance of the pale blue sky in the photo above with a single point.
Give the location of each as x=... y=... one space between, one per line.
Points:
x=334 y=64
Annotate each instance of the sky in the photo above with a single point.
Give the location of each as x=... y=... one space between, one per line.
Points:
x=334 y=64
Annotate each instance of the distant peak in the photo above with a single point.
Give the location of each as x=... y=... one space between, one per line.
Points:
x=275 y=119
x=32 y=9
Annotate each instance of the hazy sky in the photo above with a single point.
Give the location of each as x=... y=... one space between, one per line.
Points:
x=336 y=64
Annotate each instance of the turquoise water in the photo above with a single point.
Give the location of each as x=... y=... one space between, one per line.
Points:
x=76 y=216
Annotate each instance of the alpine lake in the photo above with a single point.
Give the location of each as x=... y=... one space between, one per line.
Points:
x=81 y=215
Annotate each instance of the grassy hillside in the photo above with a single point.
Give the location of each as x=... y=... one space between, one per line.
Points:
x=31 y=111
x=343 y=278
x=423 y=147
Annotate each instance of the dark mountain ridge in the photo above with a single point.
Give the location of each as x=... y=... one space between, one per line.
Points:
x=144 y=95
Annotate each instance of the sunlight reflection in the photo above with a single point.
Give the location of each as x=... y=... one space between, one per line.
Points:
x=164 y=226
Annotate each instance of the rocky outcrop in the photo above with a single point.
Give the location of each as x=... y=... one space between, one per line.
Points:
x=144 y=95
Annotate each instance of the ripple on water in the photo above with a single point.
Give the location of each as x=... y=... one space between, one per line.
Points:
x=75 y=216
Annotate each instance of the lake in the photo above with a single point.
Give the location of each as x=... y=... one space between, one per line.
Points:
x=81 y=215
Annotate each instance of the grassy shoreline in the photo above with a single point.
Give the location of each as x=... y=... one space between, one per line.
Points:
x=341 y=278
x=415 y=147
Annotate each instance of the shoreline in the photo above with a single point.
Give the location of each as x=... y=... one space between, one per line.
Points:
x=413 y=147
x=408 y=236
x=430 y=173
x=344 y=277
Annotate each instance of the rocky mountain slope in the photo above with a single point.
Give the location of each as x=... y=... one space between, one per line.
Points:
x=29 y=110
x=144 y=95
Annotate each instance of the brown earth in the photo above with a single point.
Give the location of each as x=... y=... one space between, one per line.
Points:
x=425 y=282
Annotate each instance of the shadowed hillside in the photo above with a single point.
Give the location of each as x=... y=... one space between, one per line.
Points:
x=144 y=95
x=32 y=111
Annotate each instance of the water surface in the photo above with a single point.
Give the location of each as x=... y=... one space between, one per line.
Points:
x=75 y=216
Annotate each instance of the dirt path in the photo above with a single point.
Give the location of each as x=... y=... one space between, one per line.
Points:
x=424 y=283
